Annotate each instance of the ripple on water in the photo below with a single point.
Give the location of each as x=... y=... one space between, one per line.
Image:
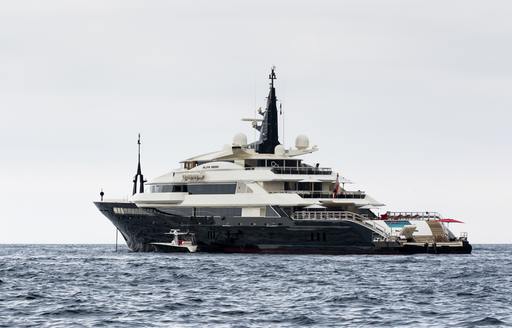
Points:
x=90 y=285
x=487 y=321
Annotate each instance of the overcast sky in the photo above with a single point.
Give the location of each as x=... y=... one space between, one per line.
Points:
x=410 y=99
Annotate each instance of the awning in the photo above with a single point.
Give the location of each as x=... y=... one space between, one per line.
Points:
x=449 y=221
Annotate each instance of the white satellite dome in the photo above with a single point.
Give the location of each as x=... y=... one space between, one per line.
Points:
x=302 y=142
x=240 y=139
x=279 y=150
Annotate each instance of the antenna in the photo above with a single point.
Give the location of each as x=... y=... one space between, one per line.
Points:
x=138 y=176
x=282 y=119
x=138 y=143
x=272 y=76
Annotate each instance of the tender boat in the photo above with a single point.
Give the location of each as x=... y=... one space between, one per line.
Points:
x=180 y=242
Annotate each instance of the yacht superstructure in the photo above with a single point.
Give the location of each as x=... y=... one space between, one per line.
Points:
x=262 y=197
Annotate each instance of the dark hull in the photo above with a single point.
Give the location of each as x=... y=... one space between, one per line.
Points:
x=280 y=235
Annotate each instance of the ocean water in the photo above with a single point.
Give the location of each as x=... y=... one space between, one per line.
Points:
x=93 y=286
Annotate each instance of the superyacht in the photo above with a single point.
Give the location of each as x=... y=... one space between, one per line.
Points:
x=261 y=197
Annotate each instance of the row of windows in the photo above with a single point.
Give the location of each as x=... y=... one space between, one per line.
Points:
x=271 y=163
x=211 y=234
x=197 y=189
x=315 y=236
x=214 y=211
x=303 y=186
x=191 y=164
x=204 y=211
x=130 y=211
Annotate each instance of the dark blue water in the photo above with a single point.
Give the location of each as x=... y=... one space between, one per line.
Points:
x=92 y=286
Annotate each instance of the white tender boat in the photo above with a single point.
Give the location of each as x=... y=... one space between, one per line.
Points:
x=181 y=242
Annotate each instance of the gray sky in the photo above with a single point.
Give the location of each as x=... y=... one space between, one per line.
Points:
x=410 y=99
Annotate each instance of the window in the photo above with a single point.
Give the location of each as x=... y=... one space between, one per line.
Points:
x=220 y=211
x=270 y=212
x=212 y=188
x=130 y=211
x=276 y=163
x=168 y=188
x=211 y=234
x=179 y=188
x=289 y=185
x=190 y=165
x=291 y=163
x=316 y=236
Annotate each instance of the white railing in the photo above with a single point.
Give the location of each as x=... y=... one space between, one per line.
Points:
x=302 y=170
x=339 y=215
x=322 y=194
x=328 y=215
x=411 y=216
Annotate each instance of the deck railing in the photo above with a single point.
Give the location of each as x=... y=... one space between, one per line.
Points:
x=323 y=194
x=328 y=215
x=411 y=216
x=340 y=215
x=302 y=170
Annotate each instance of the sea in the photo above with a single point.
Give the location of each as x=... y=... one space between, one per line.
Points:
x=95 y=286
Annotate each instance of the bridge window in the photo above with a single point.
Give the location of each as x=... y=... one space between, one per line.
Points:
x=212 y=188
x=207 y=188
x=189 y=165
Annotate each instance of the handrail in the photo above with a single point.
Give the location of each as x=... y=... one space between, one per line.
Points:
x=322 y=194
x=411 y=215
x=301 y=170
x=338 y=215
x=328 y=215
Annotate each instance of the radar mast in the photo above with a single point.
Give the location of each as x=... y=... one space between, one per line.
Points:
x=269 y=134
x=139 y=178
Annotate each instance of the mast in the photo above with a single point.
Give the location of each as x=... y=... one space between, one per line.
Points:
x=139 y=178
x=269 y=134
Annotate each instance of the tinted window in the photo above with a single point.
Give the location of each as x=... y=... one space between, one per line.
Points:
x=270 y=212
x=168 y=188
x=212 y=188
x=290 y=163
x=215 y=211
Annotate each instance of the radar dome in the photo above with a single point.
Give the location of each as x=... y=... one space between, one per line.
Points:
x=279 y=150
x=302 y=142
x=240 y=139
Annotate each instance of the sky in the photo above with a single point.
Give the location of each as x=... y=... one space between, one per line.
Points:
x=411 y=100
